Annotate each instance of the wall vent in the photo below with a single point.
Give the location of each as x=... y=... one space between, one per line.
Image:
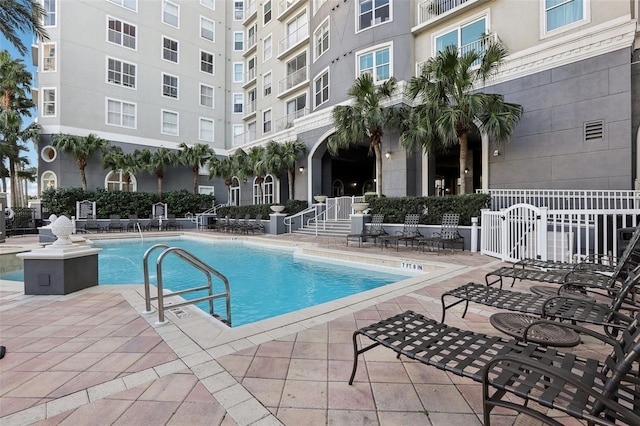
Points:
x=593 y=130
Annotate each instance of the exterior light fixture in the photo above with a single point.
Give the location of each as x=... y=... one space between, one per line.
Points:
x=388 y=154
x=466 y=170
x=301 y=169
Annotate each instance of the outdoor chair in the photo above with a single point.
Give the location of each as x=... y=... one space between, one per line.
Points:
x=133 y=223
x=448 y=235
x=91 y=224
x=629 y=259
x=114 y=223
x=255 y=226
x=373 y=231
x=560 y=307
x=154 y=223
x=409 y=233
x=581 y=387
x=172 y=223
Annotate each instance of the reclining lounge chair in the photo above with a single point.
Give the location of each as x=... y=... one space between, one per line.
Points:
x=373 y=231
x=448 y=235
x=409 y=232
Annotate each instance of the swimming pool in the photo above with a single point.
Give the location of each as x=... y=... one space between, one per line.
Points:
x=264 y=281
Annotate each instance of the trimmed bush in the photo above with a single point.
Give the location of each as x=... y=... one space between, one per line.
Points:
x=291 y=207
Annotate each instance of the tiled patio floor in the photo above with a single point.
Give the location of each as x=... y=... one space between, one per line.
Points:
x=91 y=358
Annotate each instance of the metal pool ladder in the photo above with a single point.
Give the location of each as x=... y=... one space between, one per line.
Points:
x=195 y=262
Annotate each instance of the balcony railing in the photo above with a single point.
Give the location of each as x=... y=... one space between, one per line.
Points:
x=244 y=138
x=286 y=122
x=249 y=108
x=251 y=41
x=293 y=79
x=431 y=9
x=250 y=75
x=250 y=10
x=293 y=39
x=285 y=5
x=479 y=46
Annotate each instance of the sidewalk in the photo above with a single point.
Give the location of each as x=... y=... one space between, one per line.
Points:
x=91 y=358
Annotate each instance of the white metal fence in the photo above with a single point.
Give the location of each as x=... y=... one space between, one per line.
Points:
x=340 y=208
x=547 y=224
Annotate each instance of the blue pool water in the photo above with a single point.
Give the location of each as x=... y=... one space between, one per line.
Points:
x=264 y=282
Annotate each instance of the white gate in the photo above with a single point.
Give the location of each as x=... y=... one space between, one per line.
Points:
x=515 y=233
x=340 y=208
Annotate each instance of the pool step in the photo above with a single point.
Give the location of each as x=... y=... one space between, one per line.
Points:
x=340 y=228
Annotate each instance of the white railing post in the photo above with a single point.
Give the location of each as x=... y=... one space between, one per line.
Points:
x=504 y=236
x=542 y=236
x=474 y=234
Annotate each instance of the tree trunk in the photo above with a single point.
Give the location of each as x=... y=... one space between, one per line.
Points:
x=13 y=183
x=195 y=180
x=462 y=139
x=83 y=179
x=290 y=179
x=160 y=187
x=376 y=149
x=259 y=181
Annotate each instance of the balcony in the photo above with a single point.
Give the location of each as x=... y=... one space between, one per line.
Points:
x=479 y=45
x=286 y=8
x=249 y=110
x=249 y=77
x=244 y=138
x=286 y=122
x=432 y=11
x=250 y=43
x=293 y=40
x=292 y=80
x=250 y=12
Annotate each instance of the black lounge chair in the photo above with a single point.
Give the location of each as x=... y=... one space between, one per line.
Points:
x=409 y=233
x=114 y=223
x=629 y=259
x=154 y=223
x=172 y=223
x=254 y=226
x=588 y=389
x=448 y=235
x=373 y=231
x=91 y=224
x=560 y=307
x=133 y=223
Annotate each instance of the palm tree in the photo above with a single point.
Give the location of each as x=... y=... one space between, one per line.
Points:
x=222 y=168
x=451 y=107
x=15 y=83
x=257 y=165
x=365 y=117
x=81 y=149
x=26 y=175
x=21 y=16
x=12 y=143
x=117 y=161
x=195 y=157
x=156 y=162
x=283 y=157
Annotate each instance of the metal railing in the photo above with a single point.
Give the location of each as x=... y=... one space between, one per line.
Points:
x=431 y=9
x=339 y=208
x=292 y=79
x=196 y=263
x=564 y=199
x=297 y=220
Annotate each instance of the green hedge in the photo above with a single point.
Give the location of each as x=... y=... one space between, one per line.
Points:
x=291 y=207
x=63 y=201
x=430 y=209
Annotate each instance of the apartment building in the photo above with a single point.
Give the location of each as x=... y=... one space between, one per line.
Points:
x=237 y=74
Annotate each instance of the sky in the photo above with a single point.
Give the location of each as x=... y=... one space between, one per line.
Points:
x=5 y=45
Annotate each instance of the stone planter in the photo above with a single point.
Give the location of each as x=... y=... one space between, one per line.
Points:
x=277 y=208
x=358 y=208
x=320 y=198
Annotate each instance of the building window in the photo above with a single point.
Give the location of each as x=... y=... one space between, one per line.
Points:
x=466 y=37
x=267 y=48
x=250 y=105
x=238 y=10
x=238 y=72
x=206 y=189
x=251 y=36
x=48 y=57
x=266 y=84
x=49 y=180
x=251 y=69
x=170 y=86
x=256 y=191
x=121 y=114
x=317 y=4
x=296 y=70
x=321 y=89
x=121 y=33
x=121 y=73
x=169 y=123
x=266 y=121
x=268 y=190
x=321 y=39
x=267 y=12
x=238 y=100
x=296 y=108
x=48 y=154
x=238 y=41
x=376 y=62
x=206 y=62
x=560 y=13
x=127 y=4
x=208 y=4
x=121 y=181
x=170 y=14
x=206 y=96
x=207 y=29
x=297 y=30
x=234 y=192
x=205 y=130
x=238 y=134
x=373 y=12
x=50 y=13
x=49 y=102
x=251 y=131
x=169 y=49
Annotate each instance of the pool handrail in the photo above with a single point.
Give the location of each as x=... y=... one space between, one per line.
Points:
x=196 y=263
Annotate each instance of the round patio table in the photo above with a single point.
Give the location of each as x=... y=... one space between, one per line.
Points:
x=514 y=325
x=545 y=290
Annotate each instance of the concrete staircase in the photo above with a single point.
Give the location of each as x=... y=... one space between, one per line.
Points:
x=339 y=228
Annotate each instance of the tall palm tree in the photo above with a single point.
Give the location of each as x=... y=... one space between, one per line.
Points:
x=222 y=168
x=81 y=148
x=195 y=156
x=451 y=106
x=283 y=157
x=367 y=116
x=257 y=165
x=26 y=175
x=13 y=138
x=116 y=160
x=156 y=162
x=21 y=16
x=15 y=84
